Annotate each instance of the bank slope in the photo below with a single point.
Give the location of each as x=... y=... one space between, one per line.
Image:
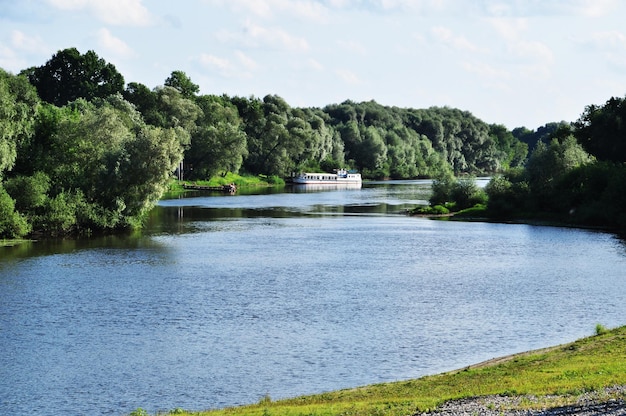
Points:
x=557 y=376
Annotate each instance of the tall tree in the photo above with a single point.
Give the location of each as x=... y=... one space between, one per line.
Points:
x=180 y=81
x=602 y=130
x=18 y=108
x=68 y=75
x=218 y=143
x=103 y=160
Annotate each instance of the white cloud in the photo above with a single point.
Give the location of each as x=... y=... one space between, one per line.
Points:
x=114 y=12
x=254 y=35
x=222 y=65
x=485 y=8
x=593 y=8
x=112 y=44
x=246 y=61
x=485 y=70
x=447 y=37
x=315 y=65
x=610 y=45
x=609 y=40
x=9 y=60
x=241 y=67
x=29 y=44
x=19 y=49
x=421 y=6
x=353 y=47
x=536 y=51
x=348 y=76
x=513 y=32
x=305 y=9
x=509 y=28
x=526 y=8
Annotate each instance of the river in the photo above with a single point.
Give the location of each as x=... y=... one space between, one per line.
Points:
x=222 y=300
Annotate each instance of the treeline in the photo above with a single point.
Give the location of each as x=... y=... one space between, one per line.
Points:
x=575 y=174
x=80 y=150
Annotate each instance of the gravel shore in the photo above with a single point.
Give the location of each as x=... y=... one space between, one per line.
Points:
x=610 y=401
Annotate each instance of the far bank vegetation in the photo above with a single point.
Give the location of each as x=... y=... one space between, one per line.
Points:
x=83 y=151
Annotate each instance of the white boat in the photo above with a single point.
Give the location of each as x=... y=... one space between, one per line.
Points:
x=342 y=176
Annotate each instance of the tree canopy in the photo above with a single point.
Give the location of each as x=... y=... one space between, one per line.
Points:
x=18 y=108
x=602 y=130
x=104 y=152
x=70 y=75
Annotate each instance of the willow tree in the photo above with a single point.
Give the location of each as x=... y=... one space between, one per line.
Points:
x=106 y=167
x=218 y=143
x=18 y=109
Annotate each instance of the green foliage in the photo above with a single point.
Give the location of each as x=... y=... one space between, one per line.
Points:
x=442 y=189
x=61 y=214
x=546 y=167
x=543 y=134
x=275 y=180
x=595 y=194
x=465 y=194
x=29 y=192
x=419 y=142
x=601 y=329
x=18 y=107
x=562 y=182
x=69 y=75
x=98 y=167
x=180 y=81
x=602 y=130
x=218 y=143
x=476 y=211
x=139 y=412
x=507 y=194
x=12 y=223
x=512 y=151
x=430 y=210
x=457 y=193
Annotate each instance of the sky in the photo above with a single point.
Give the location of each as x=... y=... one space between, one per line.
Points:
x=511 y=62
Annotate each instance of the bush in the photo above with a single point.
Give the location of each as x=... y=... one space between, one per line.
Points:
x=466 y=193
x=442 y=189
x=430 y=210
x=275 y=180
x=12 y=223
x=60 y=217
x=29 y=192
x=601 y=329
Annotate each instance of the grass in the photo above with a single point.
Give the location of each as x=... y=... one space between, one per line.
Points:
x=12 y=242
x=176 y=186
x=555 y=375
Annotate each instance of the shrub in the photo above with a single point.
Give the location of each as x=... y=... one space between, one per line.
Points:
x=442 y=189
x=29 y=192
x=466 y=193
x=275 y=180
x=60 y=217
x=601 y=329
x=12 y=223
x=430 y=210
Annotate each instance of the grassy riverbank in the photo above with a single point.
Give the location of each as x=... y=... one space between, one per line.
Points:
x=588 y=364
x=176 y=186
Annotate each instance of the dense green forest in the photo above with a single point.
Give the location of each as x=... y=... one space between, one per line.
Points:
x=82 y=151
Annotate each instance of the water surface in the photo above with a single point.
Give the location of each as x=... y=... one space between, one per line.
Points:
x=224 y=299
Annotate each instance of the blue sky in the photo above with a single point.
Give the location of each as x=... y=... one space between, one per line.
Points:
x=511 y=62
